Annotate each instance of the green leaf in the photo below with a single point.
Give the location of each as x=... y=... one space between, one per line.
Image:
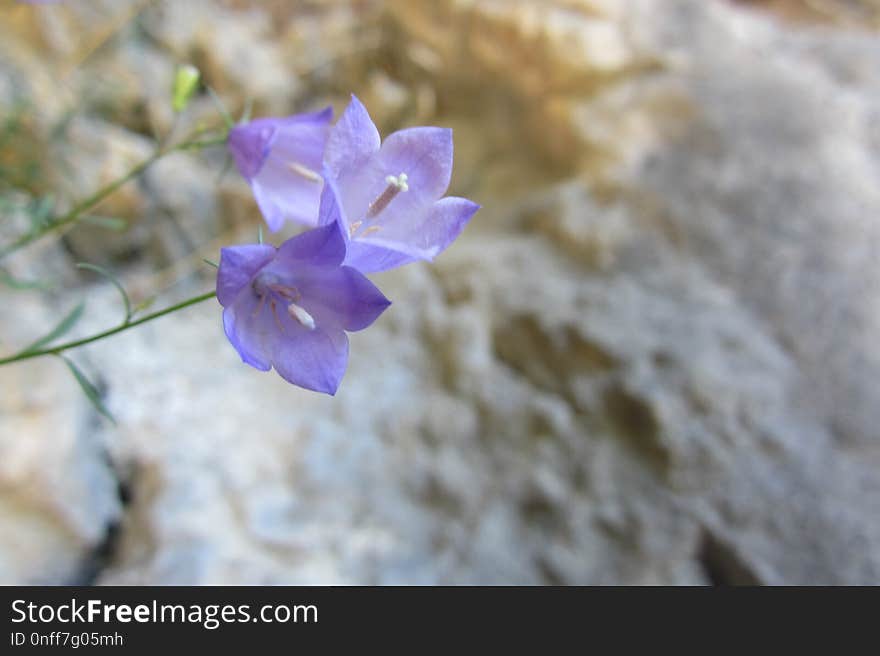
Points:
x=88 y=388
x=109 y=222
x=41 y=213
x=113 y=279
x=63 y=326
x=213 y=264
x=18 y=284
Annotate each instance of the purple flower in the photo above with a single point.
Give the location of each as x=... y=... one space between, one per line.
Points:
x=281 y=160
x=387 y=197
x=289 y=307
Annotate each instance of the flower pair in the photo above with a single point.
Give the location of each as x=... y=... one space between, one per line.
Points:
x=373 y=205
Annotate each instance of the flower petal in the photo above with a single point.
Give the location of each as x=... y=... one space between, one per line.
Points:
x=287 y=184
x=441 y=225
x=370 y=257
x=320 y=247
x=319 y=117
x=366 y=194
x=352 y=140
x=330 y=210
x=248 y=332
x=283 y=195
x=424 y=154
x=423 y=238
x=302 y=139
x=314 y=359
x=250 y=144
x=238 y=266
x=344 y=296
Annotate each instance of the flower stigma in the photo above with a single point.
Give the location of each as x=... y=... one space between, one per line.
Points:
x=299 y=313
x=396 y=184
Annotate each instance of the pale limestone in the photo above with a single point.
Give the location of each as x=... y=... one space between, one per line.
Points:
x=649 y=360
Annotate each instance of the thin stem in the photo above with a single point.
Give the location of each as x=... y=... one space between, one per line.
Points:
x=204 y=143
x=84 y=206
x=55 y=350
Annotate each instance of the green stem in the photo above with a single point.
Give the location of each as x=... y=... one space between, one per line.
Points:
x=55 y=350
x=84 y=206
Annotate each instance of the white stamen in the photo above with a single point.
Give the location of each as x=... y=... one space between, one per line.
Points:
x=304 y=171
x=304 y=318
x=399 y=181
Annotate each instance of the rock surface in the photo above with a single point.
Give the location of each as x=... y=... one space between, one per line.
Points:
x=651 y=359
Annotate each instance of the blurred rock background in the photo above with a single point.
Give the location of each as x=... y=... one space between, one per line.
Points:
x=651 y=359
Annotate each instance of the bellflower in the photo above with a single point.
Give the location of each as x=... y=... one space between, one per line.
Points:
x=388 y=196
x=289 y=307
x=281 y=159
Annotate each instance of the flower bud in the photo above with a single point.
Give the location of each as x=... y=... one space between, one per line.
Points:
x=186 y=82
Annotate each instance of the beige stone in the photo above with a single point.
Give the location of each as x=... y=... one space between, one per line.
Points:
x=650 y=359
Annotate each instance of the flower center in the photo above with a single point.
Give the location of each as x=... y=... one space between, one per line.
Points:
x=266 y=282
x=396 y=184
x=272 y=289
